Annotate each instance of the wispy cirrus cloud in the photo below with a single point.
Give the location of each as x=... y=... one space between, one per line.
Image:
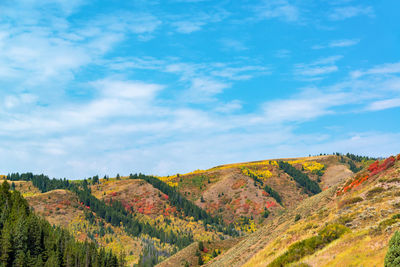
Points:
x=194 y=23
x=318 y=68
x=342 y=13
x=384 y=104
x=338 y=43
x=384 y=69
x=278 y=9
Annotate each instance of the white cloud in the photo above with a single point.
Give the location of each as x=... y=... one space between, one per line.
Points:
x=283 y=53
x=315 y=71
x=232 y=44
x=385 y=69
x=229 y=107
x=280 y=9
x=12 y=101
x=127 y=89
x=317 y=68
x=384 y=104
x=309 y=105
x=342 y=13
x=188 y=26
x=196 y=22
x=338 y=43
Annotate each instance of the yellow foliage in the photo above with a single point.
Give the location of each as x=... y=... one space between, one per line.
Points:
x=206 y=258
x=245 y=225
x=264 y=174
x=309 y=165
x=250 y=164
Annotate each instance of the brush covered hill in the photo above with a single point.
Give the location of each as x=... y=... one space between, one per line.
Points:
x=243 y=191
x=146 y=219
x=348 y=224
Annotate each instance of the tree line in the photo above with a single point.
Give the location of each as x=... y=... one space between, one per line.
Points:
x=301 y=178
x=28 y=240
x=274 y=194
x=114 y=213
x=186 y=206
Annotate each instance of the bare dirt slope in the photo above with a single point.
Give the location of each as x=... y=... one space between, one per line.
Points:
x=335 y=175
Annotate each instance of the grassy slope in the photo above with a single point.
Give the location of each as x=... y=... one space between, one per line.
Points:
x=366 y=244
x=188 y=254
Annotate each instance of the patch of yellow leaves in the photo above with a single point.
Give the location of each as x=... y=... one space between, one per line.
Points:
x=309 y=165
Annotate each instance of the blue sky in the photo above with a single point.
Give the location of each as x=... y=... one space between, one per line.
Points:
x=163 y=87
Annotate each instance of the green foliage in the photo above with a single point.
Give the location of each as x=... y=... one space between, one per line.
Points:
x=267 y=188
x=297 y=217
x=350 y=201
x=273 y=193
x=265 y=213
x=310 y=245
x=374 y=191
x=301 y=178
x=353 y=167
x=200 y=262
x=392 y=258
x=113 y=212
x=358 y=158
x=27 y=240
x=201 y=246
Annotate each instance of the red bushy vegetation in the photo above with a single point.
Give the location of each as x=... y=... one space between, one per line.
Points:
x=270 y=204
x=374 y=169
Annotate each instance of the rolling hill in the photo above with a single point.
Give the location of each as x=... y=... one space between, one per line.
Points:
x=236 y=211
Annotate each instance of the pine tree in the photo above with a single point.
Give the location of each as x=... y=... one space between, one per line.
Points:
x=392 y=258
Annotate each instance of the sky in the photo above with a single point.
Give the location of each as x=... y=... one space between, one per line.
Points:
x=164 y=87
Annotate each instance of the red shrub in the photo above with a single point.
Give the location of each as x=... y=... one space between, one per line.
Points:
x=140 y=210
x=373 y=166
x=398 y=157
x=114 y=194
x=165 y=197
x=270 y=204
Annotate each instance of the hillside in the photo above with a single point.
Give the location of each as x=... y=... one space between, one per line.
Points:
x=232 y=191
x=28 y=240
x=165 y=214
x=361 y=214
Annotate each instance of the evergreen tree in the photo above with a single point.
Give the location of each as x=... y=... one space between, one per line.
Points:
x=27 y=240
x=392 y=258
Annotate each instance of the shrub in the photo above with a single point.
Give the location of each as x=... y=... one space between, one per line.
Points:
x=392 y=258
x=201 y=246
x=298 y=217
x=350 y=201
x=308 y=246
x=374 y=191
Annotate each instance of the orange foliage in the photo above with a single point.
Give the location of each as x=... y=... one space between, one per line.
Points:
x=270 y=204
x=374 y=169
